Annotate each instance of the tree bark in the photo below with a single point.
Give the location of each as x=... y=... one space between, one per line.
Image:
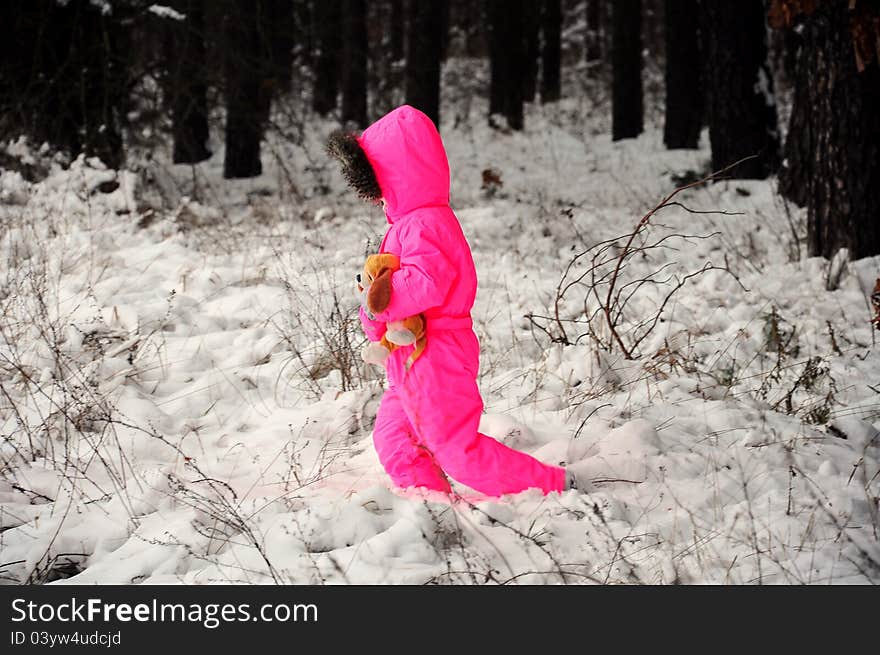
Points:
x=532 y=35
x=593 y=47
x=303 y=32
x=498 y=65
x=71 y=85
x=186 y=88
x=506 y=58
x=279 y=29
x=684 y=87
x=471 y=17
x=741 y=107
x=107 y=70
x=327 y=21
x=445 y=22
x=424 y=47
x=626 y=61
x=398 y=27
x=43 y=94
x=354 y=62
x=833 y=143
x=551 y=51
x=245 y=92
x=796 y=168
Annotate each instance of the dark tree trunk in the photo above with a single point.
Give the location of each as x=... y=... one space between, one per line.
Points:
x=684 y=88
x=279 y=29
x=274 y=65
x=741 y=109
x=20 y=20
x=68 y=69
x=551 y=51
x=471 y=17
x=303 y=32
x=245 y=91
x=63 y=77
x=424 y=45
x=532 y=34
x=594 y=33
x=41 y=92
x=186 y=87
x=445 y=18
x=796 y=170
x=354 y=62
x=498 y=64
x=607 y=38
x=506 y=58
x=327 y=21
x=106 y=41
x=398 y=26
x=626 y=61
x=833 y=143
x=386 y=81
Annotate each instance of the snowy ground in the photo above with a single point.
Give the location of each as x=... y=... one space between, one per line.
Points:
x=182 y=400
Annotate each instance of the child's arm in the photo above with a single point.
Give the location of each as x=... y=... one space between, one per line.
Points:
x=425 y=275
x=374 y=329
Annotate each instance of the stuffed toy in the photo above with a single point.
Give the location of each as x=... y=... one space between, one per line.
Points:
x=374 y=285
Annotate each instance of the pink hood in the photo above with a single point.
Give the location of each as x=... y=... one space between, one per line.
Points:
x=410 y=162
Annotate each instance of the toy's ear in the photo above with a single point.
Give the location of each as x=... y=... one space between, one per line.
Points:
x=379 y=294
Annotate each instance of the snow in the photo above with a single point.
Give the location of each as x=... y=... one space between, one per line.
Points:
x=164 y=11
x=182 y=401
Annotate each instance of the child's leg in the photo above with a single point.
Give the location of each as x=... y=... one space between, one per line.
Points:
x=444 y=405
x=407 y=463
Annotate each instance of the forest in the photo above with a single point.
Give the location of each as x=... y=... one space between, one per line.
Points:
x=674 y=215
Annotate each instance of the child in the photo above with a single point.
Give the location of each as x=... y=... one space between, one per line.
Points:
x=426 y=426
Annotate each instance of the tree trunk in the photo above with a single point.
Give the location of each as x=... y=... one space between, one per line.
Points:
x=741 y=107
x=74 y=87
x=551 y=51
x=498 y=64
x=105 y=39
x=186 y=88
x=327 y=21
x=833 y=144
x=398 y=27
x=506 y=58
x=471 y=17
x=445 y=22
x=303 y=32
x=354 y=62
x=532 y=34
x=48 y=103
x=594 y=33
x=626 y=61
x=424 y=45
x=796 y=168
x=684 y=88
x=245 y=92
x=279 y=29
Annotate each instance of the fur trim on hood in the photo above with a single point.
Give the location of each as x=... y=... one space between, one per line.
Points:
x=354 y=164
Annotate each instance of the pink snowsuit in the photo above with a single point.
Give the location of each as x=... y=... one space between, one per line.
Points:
x=427 y=424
